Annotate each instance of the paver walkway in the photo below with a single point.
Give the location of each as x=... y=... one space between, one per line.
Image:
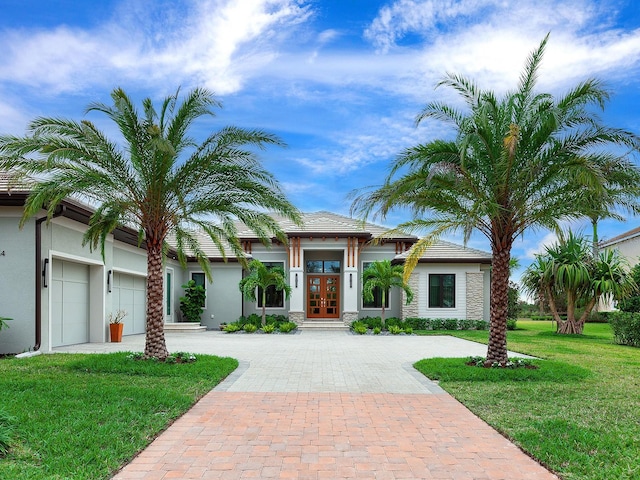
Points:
x=324 y=405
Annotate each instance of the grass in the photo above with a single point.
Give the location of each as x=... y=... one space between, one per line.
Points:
x=578 y=414
x=84 y=416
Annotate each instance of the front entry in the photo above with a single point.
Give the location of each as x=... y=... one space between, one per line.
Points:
x=323 y=296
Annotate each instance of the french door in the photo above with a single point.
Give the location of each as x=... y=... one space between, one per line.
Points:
x=323 y=296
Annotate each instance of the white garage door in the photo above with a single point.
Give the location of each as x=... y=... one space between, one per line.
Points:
x=129 y=294
x=69 y=303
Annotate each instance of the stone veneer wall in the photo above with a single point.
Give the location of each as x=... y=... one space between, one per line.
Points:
x=475 y=297
x=296 y=317
x=348 y=317
x=412 y=310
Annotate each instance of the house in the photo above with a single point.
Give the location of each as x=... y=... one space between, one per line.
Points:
x=59 y=293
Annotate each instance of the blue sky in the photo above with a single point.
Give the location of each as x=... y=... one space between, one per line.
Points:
x=340 y=81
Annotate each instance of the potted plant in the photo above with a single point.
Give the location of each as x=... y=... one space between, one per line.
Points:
x=116 y=326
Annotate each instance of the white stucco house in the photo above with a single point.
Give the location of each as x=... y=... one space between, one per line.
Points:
x=59 y=293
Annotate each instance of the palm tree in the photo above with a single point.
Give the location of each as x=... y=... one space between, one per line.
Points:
x=517 y=163
x=568 y=268
x=157 y=180
x=262 y=277
x=382 y=275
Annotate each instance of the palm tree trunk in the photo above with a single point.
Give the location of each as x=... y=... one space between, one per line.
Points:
x=499 y=304
x=264 y=306
x=155 y=345
x=382 y=313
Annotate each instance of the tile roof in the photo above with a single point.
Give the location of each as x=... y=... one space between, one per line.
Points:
x=621 y=238
x=450 y=252
x=327 y=223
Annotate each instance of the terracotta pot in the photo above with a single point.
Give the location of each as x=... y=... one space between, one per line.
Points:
x=116 y=331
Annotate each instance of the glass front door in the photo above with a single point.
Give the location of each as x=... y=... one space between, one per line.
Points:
x=323 y=296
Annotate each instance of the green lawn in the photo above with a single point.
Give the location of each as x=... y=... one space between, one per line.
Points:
x=83 y=416
x=579 y=414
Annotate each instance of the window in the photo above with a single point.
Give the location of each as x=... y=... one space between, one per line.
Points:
x=323 y=266
x=201 y=280
x=377 y=294
x=442 y=290
x=274 y=298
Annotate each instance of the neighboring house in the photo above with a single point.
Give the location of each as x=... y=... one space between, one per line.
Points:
x=60 y=293
x=628 y=244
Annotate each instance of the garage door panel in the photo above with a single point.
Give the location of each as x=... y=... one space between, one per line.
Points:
x=69 y=303
x=130 y=296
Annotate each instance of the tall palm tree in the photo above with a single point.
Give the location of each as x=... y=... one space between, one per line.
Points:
x=568 y=268
x=157 y=179
x=262 y=277
x=383 y=276
x=517 y=162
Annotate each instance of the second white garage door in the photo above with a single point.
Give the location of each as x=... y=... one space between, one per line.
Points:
x=129 y=294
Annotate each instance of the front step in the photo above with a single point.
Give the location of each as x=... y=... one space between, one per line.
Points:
x=333 y=325
x=184 y=327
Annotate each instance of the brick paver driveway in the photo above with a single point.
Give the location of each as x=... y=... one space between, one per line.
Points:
x=325 y=405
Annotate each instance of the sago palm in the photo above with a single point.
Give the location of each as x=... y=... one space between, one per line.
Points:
x=519 y=161
x=383 y=276
x=261 y=278
x=156 y=179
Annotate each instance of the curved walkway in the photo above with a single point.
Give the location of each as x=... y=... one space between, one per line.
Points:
x=325 y=405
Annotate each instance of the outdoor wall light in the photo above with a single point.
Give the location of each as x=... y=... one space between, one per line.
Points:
x=296 y=280
x=351 y=280
x=2 y=253
x=44 y=273
x=109 y=280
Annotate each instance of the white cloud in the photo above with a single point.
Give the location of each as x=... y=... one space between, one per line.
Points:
x=215 y=43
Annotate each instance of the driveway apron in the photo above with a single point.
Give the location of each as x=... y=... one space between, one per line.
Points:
x=325 y=405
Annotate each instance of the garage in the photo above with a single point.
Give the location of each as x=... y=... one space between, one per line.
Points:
x=129 y=294
x=69 y=303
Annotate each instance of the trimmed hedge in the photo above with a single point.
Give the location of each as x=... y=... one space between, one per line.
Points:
x=416 y=323
x=626 y=327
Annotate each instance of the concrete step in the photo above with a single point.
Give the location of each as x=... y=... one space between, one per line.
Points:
x=334 y=325
x=184 y=327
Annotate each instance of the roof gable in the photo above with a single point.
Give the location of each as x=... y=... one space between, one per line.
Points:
x=442 y=251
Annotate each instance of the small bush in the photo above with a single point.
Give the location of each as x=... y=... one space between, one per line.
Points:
x=512 y=324
x=249 y=328
x=416 y=323
x=437 y=324
x=372 y=322
x=360 y=329
x=481 y=324
x=393 y=321
x=287 y=327
x=408 y=330
x=395 y=330
x=7 y=429
x=450 y=324
x=466 y=324
x=233 y=327
x=357 y=324
x=269 y=328
x=626 y=328
x=377 y=330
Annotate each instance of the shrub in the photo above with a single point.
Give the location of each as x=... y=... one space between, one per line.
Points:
x=408 y=330
x=481 y=324
x=233 y=327
x=377 y=330
x=191 y=304
x=393 y=321
x=372 y=322
x=287 y=327
x=358 y=324
x=249 y=327
x=437 y=324
x=626 y=328
x=360 y=329
x=7 y=428
x=512 y=324
x=269 y=328
x=395 y=329
x=416 y=323
x=450 y=324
